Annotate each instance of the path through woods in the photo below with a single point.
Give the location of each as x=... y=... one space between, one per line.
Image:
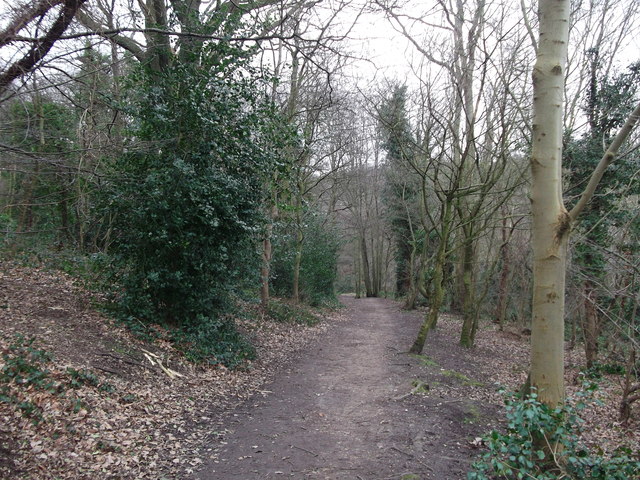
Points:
x=345 y=409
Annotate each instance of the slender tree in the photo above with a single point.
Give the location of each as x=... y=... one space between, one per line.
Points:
x=552 y=222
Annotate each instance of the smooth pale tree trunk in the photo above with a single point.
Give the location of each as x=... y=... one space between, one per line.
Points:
x=551 y=221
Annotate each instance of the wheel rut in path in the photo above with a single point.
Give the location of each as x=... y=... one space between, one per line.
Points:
x=343 y=411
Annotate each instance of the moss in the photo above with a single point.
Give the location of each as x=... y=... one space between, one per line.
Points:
x=461 y=377
x=425 y=360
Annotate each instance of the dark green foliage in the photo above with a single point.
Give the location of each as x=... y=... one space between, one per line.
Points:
x=80 y=378
x=609 y=101
x=26 y=369
x=598 y=369
x=400 y=191
x=25 y=365
x=318 y=268
x=213 y=339
x=185 y=201
x=533 y=431
x=287 y=312
x=601 y=230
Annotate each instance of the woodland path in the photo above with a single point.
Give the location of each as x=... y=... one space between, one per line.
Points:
x=344 y=410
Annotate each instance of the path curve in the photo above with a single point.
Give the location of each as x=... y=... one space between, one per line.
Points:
x=342 y=411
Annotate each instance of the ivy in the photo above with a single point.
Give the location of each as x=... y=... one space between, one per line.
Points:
x=542 y=443
x=186 y=199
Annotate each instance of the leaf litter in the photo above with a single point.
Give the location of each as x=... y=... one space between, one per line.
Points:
x=144 y=414
x=148 y=414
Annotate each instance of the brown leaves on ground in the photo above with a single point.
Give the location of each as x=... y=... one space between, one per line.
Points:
x=502 y=358
x=126 y=418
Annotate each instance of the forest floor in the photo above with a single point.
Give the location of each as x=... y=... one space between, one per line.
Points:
x=340 y=400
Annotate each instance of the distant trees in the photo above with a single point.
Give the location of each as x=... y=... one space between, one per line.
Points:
x=401 y=189
x=465 y=148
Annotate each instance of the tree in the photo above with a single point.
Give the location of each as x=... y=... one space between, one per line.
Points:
x=186 y=200
x=552 y=222
x=609 y=101
x=41 y=45
x=475 y=119
x=397 y=141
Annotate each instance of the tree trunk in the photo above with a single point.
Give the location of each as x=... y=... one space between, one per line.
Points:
x=501 y=306
x=437 y=297
x=366 y=274
x=297 y=261
x=358 y=271
x=159 y=49
x=469 y=304
x=412 y=289
x=591 y=324
x=265 y=269
x=551 y=221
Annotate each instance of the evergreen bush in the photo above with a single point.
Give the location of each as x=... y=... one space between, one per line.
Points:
x=543 y=443
x=185 y=200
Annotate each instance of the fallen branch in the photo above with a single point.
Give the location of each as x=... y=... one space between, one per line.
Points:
x=156 y=360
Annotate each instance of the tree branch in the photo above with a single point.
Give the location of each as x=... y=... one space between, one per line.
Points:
x=26 y=15
x=127 y=44
x=606 y=160
x=42 y=46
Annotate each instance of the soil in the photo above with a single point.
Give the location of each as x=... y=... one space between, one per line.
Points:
x=339 y=400
x=350 y=409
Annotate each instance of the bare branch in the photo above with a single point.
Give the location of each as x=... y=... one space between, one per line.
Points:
x=606 y=160
x=26 y=15
x=42 y=46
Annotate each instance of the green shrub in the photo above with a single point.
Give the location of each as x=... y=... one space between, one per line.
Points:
x=25 y=367
x=80 y=378
x=533 y=431
x=25 y=364
x=186 y=201
x=287 y=312
x=318 y=267
x=213 y=340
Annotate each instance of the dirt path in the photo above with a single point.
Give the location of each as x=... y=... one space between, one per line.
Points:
x=345 y=411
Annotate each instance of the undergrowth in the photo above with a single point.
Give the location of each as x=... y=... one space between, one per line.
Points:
x=288 y=312
x=25 y=368
x=543 y=443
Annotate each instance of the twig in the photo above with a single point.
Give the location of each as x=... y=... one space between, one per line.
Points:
x=410 y=455
x=106 y=370
x=305 y=450
x=401 y=451
x=129 y=362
